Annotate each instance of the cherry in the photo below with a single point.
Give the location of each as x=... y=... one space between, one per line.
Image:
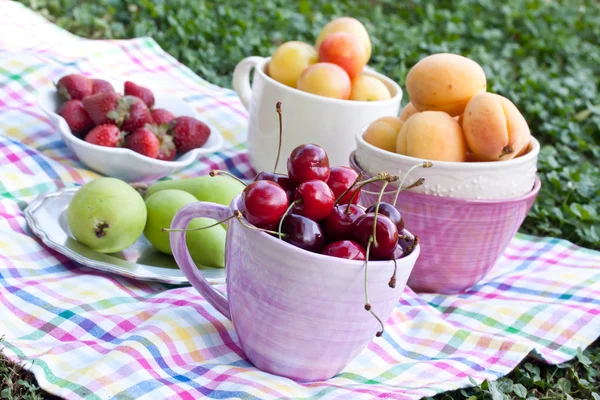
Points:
x=340 y=222
x=280 y=179
x=391 y=212
x=340 y=180
x=264 y=203
x=314 y=200
x=386 y=235
x=345 y=249
x=307 y=162
x=406 y=246
x=302 y=232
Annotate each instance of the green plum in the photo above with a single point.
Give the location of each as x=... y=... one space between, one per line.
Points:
x=107 y=215
x=207 y=246
x=218 y=189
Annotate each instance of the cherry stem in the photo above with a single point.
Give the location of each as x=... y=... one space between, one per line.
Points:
x=382 y=176
x=424 y=164
x=238 y=214
x=377 y=212
x=285 y=214
x=197 y=229
x=392 y=282
x=278 y=109
x=216 y=172
x=367 y=304
x=358 y=179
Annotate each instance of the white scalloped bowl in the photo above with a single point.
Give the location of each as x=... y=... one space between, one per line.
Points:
x=123 y=163
x=494 y=180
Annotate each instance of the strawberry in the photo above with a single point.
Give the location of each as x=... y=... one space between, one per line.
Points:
x=104 y=107
x=77 y=118
x=131 y=89
x=188 y=133
x=100 y=85
x=137 y=114
x=167 y=148
x=143 y=141
x=107 y=135
x=74 y=87
x=161 y=116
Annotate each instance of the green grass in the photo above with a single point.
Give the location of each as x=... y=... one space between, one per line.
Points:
x=542 y=54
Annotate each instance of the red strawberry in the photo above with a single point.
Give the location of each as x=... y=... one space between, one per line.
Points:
x=77 y=118
x=137 y=114
x=131 y=89
x=74 y=87
x=107 y=135
x=104 y=107
x=188 y=133
x=161 y=116
x=143 y=141
x=100 y=85
x=167 y=148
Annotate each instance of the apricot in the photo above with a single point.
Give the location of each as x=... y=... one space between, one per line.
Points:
x=444 y=82
x=408 y=111
x=349 y=25
x=494 y=128
x=343 y=49
x=325 y=79
x=368 y=88
x=432 y=135
x=383 y=132
x=289 y=60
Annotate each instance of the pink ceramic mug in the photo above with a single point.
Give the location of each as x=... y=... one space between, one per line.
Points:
x=296 y=314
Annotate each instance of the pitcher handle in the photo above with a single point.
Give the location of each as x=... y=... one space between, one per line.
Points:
x=182 y=254
x=241 y=78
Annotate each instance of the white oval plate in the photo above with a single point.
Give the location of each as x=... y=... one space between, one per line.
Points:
x=46 y=216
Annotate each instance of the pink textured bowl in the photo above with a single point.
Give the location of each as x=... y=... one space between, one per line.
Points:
x=296 y=314
x=461 y=239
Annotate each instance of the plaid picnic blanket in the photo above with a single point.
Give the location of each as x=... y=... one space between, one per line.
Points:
x=87 y=334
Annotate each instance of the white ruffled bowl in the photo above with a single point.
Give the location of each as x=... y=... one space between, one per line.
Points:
x=123 y=163
x=495 y=180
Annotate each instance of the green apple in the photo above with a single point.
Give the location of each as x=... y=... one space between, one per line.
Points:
x=206 y=246
x=107 y=215
x=218 y=189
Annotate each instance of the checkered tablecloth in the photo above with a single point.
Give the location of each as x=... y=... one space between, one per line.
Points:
x=87 y=334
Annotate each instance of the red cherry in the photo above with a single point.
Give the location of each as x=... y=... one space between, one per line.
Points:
x=345 y=249
x=315 y=200
x=340 y=179
x=339 y=224
x=391 y=212
x=264 y=203
x=307 y=162
x=280 y=179
x=302 y=232
x=386 y=234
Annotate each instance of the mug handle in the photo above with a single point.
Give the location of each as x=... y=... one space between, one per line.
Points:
x=241 y=78
x=182 y=254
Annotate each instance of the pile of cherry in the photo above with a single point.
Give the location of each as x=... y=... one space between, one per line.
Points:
x=315 y=208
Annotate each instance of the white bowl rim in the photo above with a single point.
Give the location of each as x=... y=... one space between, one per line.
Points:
x=185 y=160
x=524 y=159
x=260 y=69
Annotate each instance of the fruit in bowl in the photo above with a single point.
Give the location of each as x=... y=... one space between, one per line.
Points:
x=333 y=67
x=451 y=117
x=313 y=208
x=120 y=135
